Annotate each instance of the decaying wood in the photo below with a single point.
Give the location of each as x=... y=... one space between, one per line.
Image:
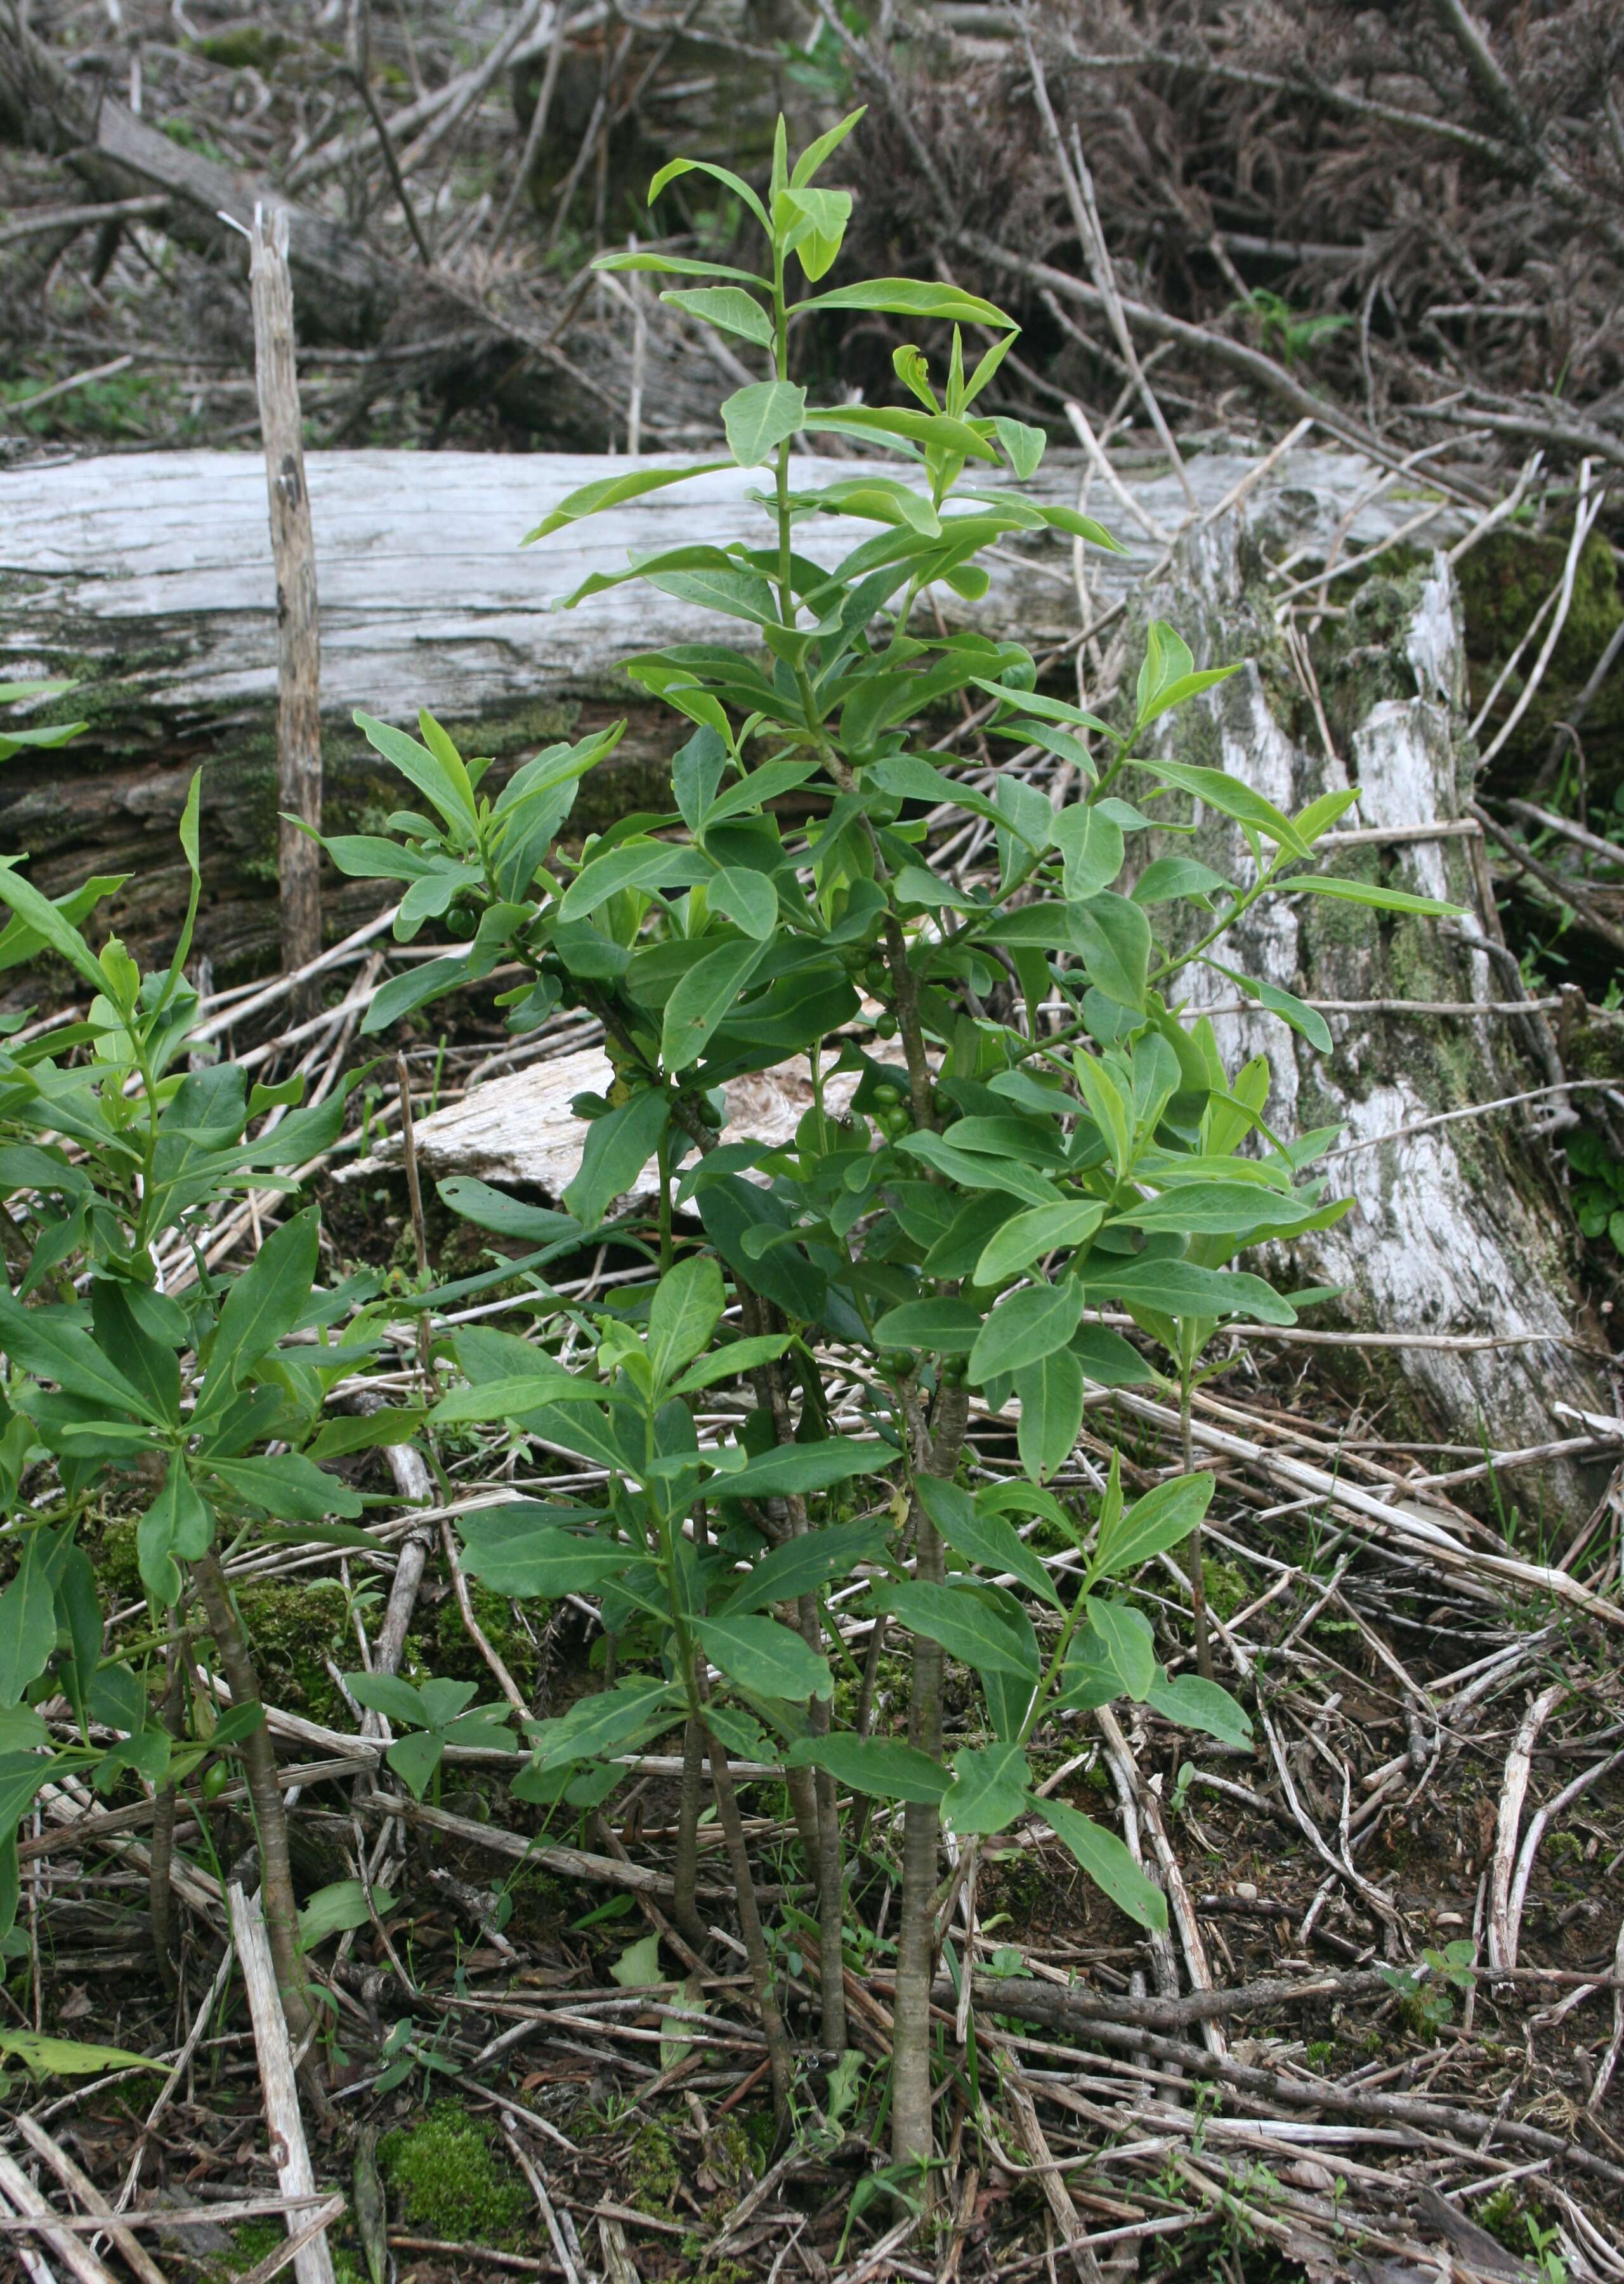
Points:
x=284 y=2120
x=299 y=642
x=151 y=578
x=1452 y=1229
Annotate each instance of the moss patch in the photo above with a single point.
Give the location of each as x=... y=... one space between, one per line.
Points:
x=292 y=1630
x=450 y=2178
x=651 y=2175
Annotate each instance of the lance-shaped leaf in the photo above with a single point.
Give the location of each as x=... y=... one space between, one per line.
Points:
x=1164 y=1517
x=878 y=1765
x=729 y=309
x=617 y=1146
x=606 y=1722
x=1026 y=1327
x=613 y=491
x=1204 y=1705
x=796 y=1467
x=1380 y=899
x=968 y=1627
x=45 y=1342
x=685 y=1311
x=523 y=1549
x=801 y=1565
x=1107 y=1863
x=764 y=1657
x=703 y=997
x=910 y=297
x=981 y=1535
x=266 y=1301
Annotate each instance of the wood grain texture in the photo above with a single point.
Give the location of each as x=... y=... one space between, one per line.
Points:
x=149 y=576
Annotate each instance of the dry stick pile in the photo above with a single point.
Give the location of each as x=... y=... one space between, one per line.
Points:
x=1302 y=2063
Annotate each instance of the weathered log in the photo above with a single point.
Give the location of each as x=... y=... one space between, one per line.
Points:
x=149 y=577
x=1454 y=1228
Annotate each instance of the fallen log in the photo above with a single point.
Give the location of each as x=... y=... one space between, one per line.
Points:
x=150 y=578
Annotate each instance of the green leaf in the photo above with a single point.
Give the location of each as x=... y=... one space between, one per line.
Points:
x=52 y=926
x=760 y=417
x=877 y=1765
x=1381 y=900
x=796 y=1467
x=966 y=1626
x=1050 y=1396
x=808 y=163
x=606 y=1722
x=728 y=309
x=1181 y=1289
x=446 y=786
x=741 y=189
x=703 y=997
x=1165 y=879
x=1231 y=798
x=1307 y=1021
x=1216 y=1209
x=617 y=1146
x=1026 y=1327
x=1113 y=937
x=1205 y=1705
x=27 y=1622
x=268 y=1299
x=764 y=1657
x=1121 y=1639
x=388 y=1695
x=749 y=899
x=335 y=1909
x=677 y=265
x=522 y=1550
x=685 y=1311
x=1093 y=848
x=488 y=1209
x=1030 y=1235
x=414 y=988
x=291 y=1487
x=976 y=1172
x=946 y=1326
x=983 y=1537
x=989 y=1788
x=1164 y=1517
x=415 y=1757
x=632 y=865
x=732 y=1361
x=612 y=491
x=801 y=1565
x=177 y=1526
x=910 y=297
x=638 y=1967
x=42 y=1341
x=68 y=2058
x=512 y=1398
x=1107 y=1863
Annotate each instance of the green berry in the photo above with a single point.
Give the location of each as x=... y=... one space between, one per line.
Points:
x=885 y=1025
x=216 y=1779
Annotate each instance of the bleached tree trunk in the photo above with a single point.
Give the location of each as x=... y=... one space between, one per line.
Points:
x=1456 y=1229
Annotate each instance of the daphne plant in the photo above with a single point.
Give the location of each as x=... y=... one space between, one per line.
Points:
x=1039 y=1136
x=135 y=1373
